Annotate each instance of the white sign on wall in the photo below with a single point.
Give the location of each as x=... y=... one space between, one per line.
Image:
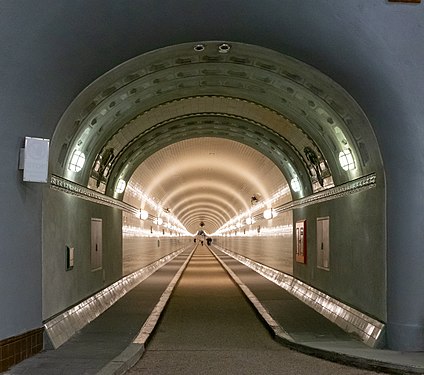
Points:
x=36 y=159
x=323 y=243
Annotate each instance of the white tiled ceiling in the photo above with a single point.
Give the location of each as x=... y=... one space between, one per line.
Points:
x=206 y=179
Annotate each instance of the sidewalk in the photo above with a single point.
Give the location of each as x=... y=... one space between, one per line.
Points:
x=109 y=345
x=309 y=332
x=106 y=337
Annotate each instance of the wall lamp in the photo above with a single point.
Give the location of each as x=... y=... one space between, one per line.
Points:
x=250 y=220
x=77 y=161
x=120 y=187
x=158 y=221
x=144 y=214
x=346 y=159
x=295 y=184
x=269 y=213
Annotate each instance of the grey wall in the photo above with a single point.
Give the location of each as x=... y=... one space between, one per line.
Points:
x=67 y=222
x=20 y=249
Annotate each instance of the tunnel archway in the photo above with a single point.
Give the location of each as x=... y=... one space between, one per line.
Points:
x=205 y=182
x=174 y=86
x=304 y=122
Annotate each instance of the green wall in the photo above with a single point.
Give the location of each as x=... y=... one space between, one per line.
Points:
x=67 y=222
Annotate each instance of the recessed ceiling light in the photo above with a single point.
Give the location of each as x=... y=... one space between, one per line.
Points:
x=77 y=161
x=224 y=48
x=199 y=47
x=120 y=187
x=346 y=160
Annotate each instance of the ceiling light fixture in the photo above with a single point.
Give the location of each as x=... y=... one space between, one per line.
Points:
x=346 y=160
x=199 y=47
x=158 y=221
x=77 y=161
x=295 y=184
x=120 y=187
x=224 y=48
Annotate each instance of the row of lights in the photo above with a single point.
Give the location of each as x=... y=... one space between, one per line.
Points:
x=134 y=231
x=247 y=216
x=76 y=165
x=172 y=222
x=280 y=230
x=268 y=214
x=346 y=160
x=222 y=48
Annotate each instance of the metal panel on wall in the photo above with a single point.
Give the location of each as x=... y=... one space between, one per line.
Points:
x=323 y=243
x=96 y=244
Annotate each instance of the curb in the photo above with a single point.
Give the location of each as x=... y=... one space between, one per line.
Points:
x=131 y=355
x=283 y=337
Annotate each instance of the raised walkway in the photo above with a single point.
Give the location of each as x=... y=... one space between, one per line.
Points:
x=115 y=341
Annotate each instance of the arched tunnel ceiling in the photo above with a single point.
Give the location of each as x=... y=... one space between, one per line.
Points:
x=205 y=179
x=284 y=109
x=215 y=125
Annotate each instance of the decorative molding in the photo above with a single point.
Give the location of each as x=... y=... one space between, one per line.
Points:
x=69 y=187
x=351 y=187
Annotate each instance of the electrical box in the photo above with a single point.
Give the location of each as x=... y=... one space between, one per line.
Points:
x=34 y=159
x=301 y=243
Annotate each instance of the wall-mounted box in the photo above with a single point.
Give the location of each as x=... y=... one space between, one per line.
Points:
x=34 y=159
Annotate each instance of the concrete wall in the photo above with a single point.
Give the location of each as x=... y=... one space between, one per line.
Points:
x=20 y=248
x=67 y=222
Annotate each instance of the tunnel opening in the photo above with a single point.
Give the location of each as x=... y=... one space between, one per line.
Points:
x=205 y=183
x=310 y=129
